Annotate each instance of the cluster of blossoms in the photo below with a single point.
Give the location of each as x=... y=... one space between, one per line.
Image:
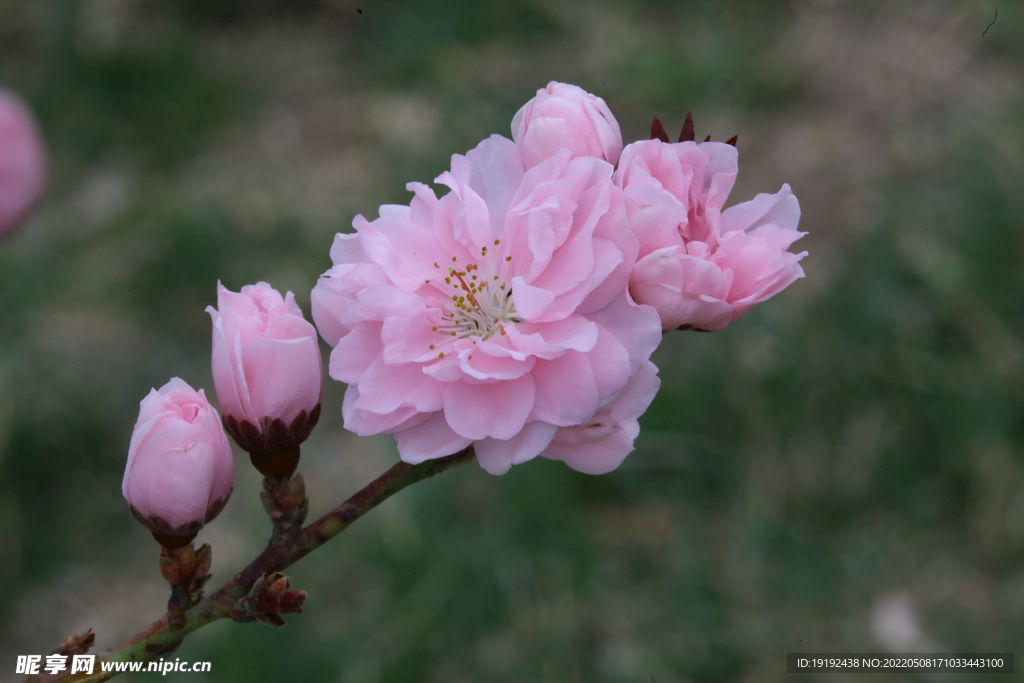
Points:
x=516 y=313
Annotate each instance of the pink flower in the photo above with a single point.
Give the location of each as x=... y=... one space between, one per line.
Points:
x=699 y=266
x=492 y=316
x=600 y=445
x=22 y=162
x=180 y=467
x=564 y=116
x=266 y=364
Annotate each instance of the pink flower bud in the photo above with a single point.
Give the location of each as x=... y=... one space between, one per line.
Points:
x=22 y=162
x=266 y=367
x=564 y=116
x=180 y=467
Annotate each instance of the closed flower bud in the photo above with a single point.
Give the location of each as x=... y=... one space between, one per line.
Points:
x=22 y=162
x=180 y=467
x=266 y=368
x=564 y=116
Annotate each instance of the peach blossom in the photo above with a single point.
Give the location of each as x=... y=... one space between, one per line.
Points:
x=180 y=466
x=266 y=359
x=564 y=116
x=491 y=316
x=22 y=162
x=699 y=266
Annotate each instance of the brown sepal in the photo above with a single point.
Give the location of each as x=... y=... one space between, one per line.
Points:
x=272 y=435
x=732 y=140
x=276 y=466
x=164 y=533
x=178 y=537
x=658 y=131
x=707 y=139
x=691 y=328
x=686 y=135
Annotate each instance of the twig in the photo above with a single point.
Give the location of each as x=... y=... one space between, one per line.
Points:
x=994 y=19
x=161 y=637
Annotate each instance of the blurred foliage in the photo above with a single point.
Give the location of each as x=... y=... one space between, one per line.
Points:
x=846 y=456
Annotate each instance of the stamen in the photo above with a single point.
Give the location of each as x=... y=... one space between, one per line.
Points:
x=479 y=310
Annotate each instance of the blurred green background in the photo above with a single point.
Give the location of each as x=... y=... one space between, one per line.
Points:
x=839 y=471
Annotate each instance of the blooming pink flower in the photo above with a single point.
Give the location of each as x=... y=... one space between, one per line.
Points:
x=492 y=316
x=600 y=445
x=266 y=361
x=699 y=266
x=564 y=116
x=180 y=467
x=22 y=162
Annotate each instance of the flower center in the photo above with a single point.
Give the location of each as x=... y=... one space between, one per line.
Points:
x=481 y=305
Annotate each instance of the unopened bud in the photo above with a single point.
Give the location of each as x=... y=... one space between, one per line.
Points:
x=268 y=373
x=180 y=466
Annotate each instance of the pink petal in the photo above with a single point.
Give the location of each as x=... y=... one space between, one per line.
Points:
x=366 y=423
x=498 y=410
x=387 y=388
x=283 y=376
x=566 y=390
x=355 y=352
x=497 y=456
x=430 y=439
x=781 y=209
x=177 y=483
